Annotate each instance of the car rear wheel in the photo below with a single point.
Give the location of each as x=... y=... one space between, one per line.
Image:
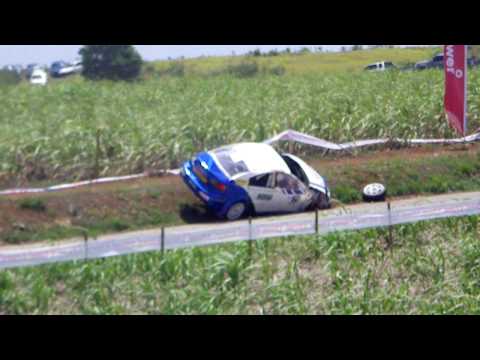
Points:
x=236 y=211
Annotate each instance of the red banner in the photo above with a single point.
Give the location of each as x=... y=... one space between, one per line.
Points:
x=455 y=59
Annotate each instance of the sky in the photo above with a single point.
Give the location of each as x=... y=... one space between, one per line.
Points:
x=46 y=54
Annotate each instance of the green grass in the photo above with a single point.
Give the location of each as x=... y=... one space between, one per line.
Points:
x=90 y=226
x=432 y=268
x=33 y=204
x=57 y=232
x=304 y=64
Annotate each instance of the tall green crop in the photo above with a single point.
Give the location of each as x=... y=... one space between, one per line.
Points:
x=52 y=132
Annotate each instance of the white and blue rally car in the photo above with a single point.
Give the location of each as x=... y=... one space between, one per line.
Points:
x=237 y=180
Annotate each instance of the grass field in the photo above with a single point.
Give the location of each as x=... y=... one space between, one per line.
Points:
x=79 y=129
x=306 y=64
x=433 y=268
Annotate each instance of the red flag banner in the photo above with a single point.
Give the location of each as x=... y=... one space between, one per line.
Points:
x=455 y=58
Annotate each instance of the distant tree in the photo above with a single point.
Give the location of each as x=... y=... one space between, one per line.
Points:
x=357 y=47
x=244 y=69
x=381 y=46
x=111 y=62
x=9 y=77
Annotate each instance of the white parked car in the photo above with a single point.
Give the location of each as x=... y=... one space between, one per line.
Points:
x=380 y=66
x=39 y=77
x=30 y=69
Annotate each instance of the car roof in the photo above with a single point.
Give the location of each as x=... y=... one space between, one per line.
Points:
x=259 y=159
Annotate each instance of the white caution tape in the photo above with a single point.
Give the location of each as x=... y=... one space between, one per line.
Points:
x=291 y=135
x=81 y=184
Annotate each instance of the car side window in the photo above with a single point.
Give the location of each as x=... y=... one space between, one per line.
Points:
x=260 y=181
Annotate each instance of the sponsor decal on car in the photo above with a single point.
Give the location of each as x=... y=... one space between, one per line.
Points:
x=265 y=197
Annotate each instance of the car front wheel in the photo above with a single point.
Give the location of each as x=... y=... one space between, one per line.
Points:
x=322 y=202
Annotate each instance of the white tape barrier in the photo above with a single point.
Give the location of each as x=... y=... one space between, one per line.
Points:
x=289 y=135
x=80 y=184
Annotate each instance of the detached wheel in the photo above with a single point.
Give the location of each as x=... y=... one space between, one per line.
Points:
x=374 y=193
x=236 y=211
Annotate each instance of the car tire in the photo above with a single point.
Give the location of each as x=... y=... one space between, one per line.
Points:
x=374 y=193
x=322 y=202
x=236 y=211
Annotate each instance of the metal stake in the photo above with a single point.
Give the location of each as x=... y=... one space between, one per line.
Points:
x=390 y=229
x=162 y=241
x=85 y=239
x=250 y=236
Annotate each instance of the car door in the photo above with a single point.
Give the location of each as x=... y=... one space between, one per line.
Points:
x=291 y=194
x=278 y=193
x=313 y=178
x=262 y=193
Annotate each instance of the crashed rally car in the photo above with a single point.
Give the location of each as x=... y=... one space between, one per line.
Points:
x=237 y=180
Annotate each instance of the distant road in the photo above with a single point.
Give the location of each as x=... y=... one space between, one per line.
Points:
x=349 y=218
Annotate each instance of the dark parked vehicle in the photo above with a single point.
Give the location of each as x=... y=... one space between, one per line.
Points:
x=62 y=68
x=56 y=68
x=436 y=63
x=473 y=62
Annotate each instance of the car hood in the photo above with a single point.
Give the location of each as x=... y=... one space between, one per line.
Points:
x=316 y=181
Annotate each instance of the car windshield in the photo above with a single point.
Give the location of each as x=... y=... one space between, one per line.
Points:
x=229 y=162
